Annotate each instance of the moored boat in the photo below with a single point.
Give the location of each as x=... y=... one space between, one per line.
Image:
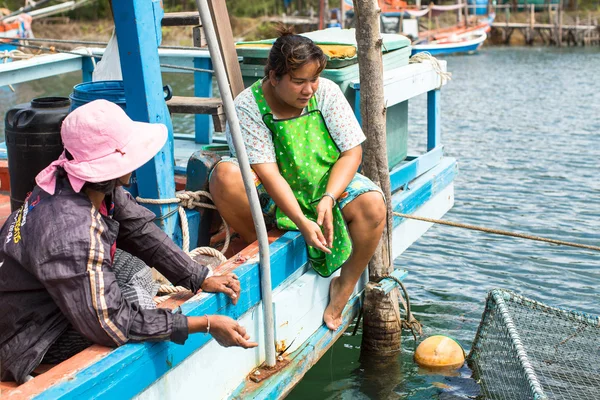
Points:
x=421 y=184
x=467 y=43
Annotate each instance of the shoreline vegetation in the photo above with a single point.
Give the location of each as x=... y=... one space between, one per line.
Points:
x=246 y=28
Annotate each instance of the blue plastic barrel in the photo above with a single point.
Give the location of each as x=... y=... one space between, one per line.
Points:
x=86 y=92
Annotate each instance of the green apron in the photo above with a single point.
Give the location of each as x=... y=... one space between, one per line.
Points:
x=305 y=154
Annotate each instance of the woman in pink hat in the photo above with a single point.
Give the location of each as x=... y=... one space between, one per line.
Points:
x=63 y=283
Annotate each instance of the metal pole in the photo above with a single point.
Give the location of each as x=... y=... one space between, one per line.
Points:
x=238 y=143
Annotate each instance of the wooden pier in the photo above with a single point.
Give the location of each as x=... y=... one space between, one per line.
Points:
x=578 y=32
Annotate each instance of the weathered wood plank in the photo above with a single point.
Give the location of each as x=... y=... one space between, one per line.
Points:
x=220 y=17
x=190 y=18
x=195 y=105
x=200 y=105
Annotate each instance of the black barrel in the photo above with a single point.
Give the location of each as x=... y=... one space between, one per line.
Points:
x=32 y=142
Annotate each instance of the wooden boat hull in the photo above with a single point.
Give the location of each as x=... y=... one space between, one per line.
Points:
x=448 y=46
x=421 y=184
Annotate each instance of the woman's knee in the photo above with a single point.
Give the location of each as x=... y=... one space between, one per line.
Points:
x=372 y=208
x=225 y=177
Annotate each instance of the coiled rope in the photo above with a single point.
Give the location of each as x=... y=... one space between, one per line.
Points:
x=437 y=67
x=193 y=200
x=498 y=231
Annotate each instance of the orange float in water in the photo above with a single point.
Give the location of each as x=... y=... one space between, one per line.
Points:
x=440 y=352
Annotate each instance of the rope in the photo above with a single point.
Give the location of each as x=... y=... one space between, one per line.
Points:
x=410 y=323
x=437 y=67
x=208 y=251
x=170 y=289
x=209 y=71
x=499 y=232
x=191 y=200
x=53 y=49
x=93 y=43
x=14 y=55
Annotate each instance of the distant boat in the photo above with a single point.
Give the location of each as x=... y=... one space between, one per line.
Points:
x=454 y=40
x=466 y=43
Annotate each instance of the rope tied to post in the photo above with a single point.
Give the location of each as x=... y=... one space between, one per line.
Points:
x=498 y=231
x=192 y=200
x=410 y=322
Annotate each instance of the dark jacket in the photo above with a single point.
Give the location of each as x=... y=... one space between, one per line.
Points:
x=55 y=270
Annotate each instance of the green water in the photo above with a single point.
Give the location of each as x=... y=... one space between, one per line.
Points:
x=524 y=124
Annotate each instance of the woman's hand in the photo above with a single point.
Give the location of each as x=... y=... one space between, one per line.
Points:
x=325 y=218
x=228 y=284
x=228 y=332
x=313 y=235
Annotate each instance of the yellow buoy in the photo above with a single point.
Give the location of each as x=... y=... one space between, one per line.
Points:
x=440 y=352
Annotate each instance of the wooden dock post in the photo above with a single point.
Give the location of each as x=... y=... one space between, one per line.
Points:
x=381 y=326
x=560 y=23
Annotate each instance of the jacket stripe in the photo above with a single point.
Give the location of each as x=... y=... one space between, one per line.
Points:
x=94 y=269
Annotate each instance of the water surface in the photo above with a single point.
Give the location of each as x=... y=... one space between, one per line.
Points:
x=524 y=124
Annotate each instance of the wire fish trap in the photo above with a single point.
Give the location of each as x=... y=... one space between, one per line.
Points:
x=528 y=350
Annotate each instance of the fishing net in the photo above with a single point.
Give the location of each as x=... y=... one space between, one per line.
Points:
x=527 y=350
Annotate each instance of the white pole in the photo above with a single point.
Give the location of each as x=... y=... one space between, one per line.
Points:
x=238 y=143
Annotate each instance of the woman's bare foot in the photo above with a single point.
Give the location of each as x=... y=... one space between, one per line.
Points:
x=338 y=298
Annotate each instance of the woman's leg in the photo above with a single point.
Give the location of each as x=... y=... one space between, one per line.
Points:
x=228 y=193
x=365 y=216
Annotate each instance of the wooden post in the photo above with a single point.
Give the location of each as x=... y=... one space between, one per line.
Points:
x=381 y=327
x=137 y=24
x=560 y=23
x=429 y=23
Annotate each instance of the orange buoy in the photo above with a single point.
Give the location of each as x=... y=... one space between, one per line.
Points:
x=440 y=352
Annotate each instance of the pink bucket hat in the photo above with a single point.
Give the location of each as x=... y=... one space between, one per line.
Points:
x=105 y=144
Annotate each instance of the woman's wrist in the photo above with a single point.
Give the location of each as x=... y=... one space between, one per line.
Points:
x=329 y=197
x=198 y=324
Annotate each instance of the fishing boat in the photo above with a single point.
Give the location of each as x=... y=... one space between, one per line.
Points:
x=280 y=307
x=466 y=43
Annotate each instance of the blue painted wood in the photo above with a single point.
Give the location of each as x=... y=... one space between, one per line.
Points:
x=130 y=369
x=433 y=119
x=387 y=285
x=203 y=88
x=414 y=167
x=280 y=384
x=137 y=24
x=87 y=68
x=357 y=106
x=406 y=202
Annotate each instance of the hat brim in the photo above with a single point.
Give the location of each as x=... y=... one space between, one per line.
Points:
x=136 y=153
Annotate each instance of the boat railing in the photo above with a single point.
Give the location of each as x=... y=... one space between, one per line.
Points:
x=402 y=84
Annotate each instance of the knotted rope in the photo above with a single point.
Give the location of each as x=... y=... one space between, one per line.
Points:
x=192 y=200
x=435 y=64
x=410 y=323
